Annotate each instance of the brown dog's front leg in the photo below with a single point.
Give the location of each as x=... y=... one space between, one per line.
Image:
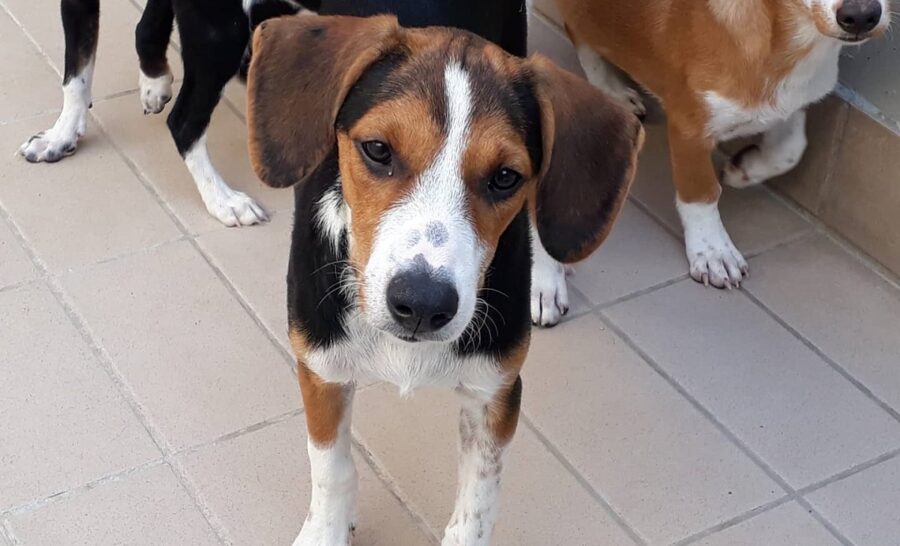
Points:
x=712 y=256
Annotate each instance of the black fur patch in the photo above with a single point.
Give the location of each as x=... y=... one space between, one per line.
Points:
x=316 y=306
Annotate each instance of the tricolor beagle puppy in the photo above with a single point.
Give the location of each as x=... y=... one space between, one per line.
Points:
x=416 y=156
x=722 y=69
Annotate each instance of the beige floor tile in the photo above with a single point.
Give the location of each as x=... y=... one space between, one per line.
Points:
x=117 y=62
x=29 y=85
x=15 y=266
x=754 y=219
x=148 y=507
x=265 y=498
x=633 y=437
x=87 y=208
x=837 y=303
x=864 y=506
x=62 y=422
x=637 y=255
x=256 y=262
x=775 y=394
x=194 y=359
x=415 y=441
x=787 y=525
x=146 y=141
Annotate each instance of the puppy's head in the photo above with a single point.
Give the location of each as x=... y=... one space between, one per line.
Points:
x=851 y=21
x=442 y=139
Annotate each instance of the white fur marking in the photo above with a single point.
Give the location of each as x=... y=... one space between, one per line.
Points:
x=549 y=292
x=712 y=256
x=332 y=507
x=62 y=139
x=333 y=217
x=155 y=92
x=439 y=195
x=232 y=208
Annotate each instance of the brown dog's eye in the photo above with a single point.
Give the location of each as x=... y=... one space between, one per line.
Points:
x=504 y=180
x=377 y=151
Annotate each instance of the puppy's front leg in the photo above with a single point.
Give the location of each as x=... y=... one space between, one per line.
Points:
x=484 y=431
x=332 y=507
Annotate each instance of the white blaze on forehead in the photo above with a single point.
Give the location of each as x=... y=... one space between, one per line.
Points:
x=433 y=223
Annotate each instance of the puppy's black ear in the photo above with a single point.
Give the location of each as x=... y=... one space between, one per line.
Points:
x=302 y=69
x=590 y=148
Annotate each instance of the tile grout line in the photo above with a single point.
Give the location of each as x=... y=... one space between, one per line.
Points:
x=822 y=229
x=735 y=521
x=852 y=471
x=821 y=354
x=598 y=497
x=382 y=476
x=799 y=495
x=37 y=504
x=731 y=436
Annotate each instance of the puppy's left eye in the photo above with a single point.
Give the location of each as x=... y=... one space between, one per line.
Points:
x=377 y=151
x=504 y=180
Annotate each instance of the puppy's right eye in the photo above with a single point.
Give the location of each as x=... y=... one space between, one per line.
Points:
x=377 y=151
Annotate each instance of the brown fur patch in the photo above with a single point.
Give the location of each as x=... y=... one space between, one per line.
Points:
x=324 y=404
x=503 y=410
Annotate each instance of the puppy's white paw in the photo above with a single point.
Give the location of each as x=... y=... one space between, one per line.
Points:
x=713 y=258
x=155 y=92
x=237 y=209
x=317 y=533
x=549 y=292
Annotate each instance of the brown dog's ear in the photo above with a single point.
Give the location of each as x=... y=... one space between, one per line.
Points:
x=590 y=147
x=302 y=69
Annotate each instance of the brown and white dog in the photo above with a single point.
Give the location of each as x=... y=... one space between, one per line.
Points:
x=416 y=156
x=722 y=69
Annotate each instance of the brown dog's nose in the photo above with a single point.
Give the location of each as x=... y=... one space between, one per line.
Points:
x=859 y=16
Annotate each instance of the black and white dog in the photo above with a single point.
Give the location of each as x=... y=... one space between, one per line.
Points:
x=214 y=37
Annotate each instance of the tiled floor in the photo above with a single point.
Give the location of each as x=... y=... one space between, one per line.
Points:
x=147 y=394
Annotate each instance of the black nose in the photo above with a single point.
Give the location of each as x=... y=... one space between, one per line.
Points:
x=859 y=16
x=421 y=302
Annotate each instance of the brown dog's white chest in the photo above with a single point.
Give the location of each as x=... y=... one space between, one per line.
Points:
x=811 y=79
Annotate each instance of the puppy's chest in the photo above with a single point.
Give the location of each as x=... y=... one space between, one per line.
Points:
x=367 y=354
x=811 y=78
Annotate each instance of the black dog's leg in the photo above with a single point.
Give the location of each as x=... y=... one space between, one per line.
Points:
x=152 y=39
x=213 y=37
x=81 y=22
